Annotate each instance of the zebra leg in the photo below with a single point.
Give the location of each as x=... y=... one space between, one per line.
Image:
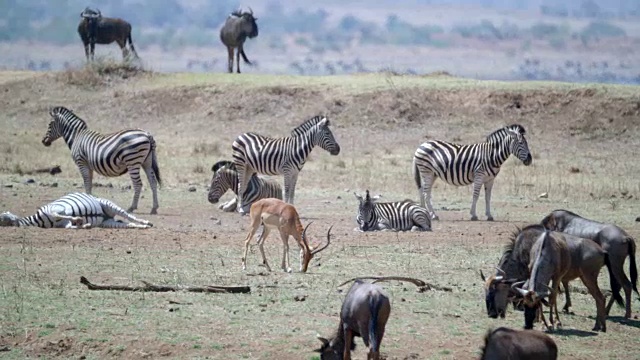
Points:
x=153 y=182
x=427 y=184
x=117 y=224
x=290 y=180
x=229 y=206
x=285 y=251
x=244 y=175
x=487 y=199
x=111 y=210
x=87 y=177
x=134 y=172
x=73 y=222
x=477 y=185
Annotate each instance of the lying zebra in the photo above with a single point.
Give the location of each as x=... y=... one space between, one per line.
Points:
x=77 y=211
x=396 y=216
x=225 y=177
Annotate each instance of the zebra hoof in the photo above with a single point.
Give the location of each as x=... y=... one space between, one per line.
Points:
x=490 y=218
x=154 y=211
x=474 y=218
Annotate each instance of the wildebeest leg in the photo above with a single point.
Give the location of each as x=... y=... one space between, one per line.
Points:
x=425 y=198
x=590 y=280
x=238 y=59
x=93 y=47
x=87 y=49
x=478 y=180
x=618 y=272
x=123 y=47
x=553 y=303
x=487 y=199
x=567 y=303
x=230 y=58
x=348 y=340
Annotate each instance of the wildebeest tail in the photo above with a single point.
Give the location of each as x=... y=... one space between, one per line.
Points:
x=615 y=285
x=374 y=307
x=154 y=160
x=244 y=57
x=633 y=270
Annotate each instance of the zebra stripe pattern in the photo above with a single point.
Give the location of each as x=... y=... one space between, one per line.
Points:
x=302 y=128
x=225 y=177
x=462 y=165
x=254 y=153
x=395 y=216
x=109 y=155
x=77 y=211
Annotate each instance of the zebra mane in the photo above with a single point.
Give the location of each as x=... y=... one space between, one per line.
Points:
x=223 y=163
x=61 y=112
x=500 y=133
x=302 y=128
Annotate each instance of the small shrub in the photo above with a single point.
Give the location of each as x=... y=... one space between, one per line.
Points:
x=101 y=72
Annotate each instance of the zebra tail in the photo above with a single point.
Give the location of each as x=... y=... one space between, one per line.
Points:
x=244 y=56
x=154 y=160
x=633 y=270
x=416 y=175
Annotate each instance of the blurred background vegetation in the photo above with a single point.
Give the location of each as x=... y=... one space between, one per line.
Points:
x=176 y=24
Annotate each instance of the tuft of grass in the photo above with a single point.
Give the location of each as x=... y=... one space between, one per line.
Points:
x=206 y=149
x=101 y=72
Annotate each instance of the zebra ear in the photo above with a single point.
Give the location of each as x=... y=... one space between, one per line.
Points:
x=376 y=197
x=359 y=197
x=324 y=122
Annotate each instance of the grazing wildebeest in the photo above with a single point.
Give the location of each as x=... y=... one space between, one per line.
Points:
x=277 y=214
x=394 y=216
x=225 y=177
x=365 y=311
x=96 y=29
x=587 y=258
x=238 y=26
x=77 y=211
x=506 y=344
x=615 y=241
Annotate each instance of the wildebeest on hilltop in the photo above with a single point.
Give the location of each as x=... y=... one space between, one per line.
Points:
x=96 y=29
x=238 y=26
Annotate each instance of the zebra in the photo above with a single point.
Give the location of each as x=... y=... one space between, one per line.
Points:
x=225 y=177
x=395 y=216
x=461 y=165
x=108 y=155
x=77 y=211
x=254 y=153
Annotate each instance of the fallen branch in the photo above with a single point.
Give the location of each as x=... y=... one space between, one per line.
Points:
x=164 y=288
x=422 y=286
x=52 y=170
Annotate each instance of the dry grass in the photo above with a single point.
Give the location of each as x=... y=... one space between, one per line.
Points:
x=379 y=121
x=102 y=72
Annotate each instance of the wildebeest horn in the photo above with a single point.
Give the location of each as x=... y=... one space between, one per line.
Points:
x=324 y=341
x=516 y=285
x=325 y=245
x=250 y=11
x=482 y=276
x=501 y=271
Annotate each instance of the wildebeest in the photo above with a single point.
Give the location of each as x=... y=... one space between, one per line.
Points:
x=365 y=311
x=615 y=241
x=505 y=344
x=238 y=26
x=395 y=216
x=96 y=29
x=586 y=256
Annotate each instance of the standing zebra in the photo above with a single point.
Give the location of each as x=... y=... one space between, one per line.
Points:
x=253 y=153
x=225 y=177
x=77 y=211
x=462 y=165
x=396 y=216
x=108 y=155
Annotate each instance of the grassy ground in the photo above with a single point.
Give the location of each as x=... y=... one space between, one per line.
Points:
x=581 y=137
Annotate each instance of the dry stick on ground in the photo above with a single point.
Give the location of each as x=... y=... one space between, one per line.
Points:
x=164 y=288
x=52 y=170
x=422 y=286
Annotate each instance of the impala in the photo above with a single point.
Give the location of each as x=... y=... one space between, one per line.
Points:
x=276 y=214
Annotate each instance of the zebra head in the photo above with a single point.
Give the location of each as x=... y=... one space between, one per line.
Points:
x=518 y=145
x=323 y=137
x=8 y=219
x=224 y=175
x=366 y=211
x=58 y=126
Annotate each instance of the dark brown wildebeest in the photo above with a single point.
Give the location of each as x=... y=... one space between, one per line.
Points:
x=365 y=311
x=238 y=26
x=96 y=29
x=587 y=259
x=504 y=344
x=614 y=240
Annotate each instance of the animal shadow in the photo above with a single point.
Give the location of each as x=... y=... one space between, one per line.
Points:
x=574 y=332
x=622 y=321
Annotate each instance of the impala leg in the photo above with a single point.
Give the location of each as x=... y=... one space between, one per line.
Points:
x=285 y=255
x=487 y=199
x=261 y=239
x=255 y=223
